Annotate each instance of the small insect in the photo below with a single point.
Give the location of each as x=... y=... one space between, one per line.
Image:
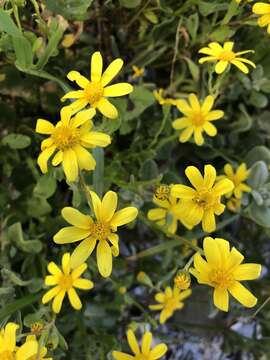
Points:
x=162 y=192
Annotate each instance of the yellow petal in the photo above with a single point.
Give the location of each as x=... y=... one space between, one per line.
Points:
x=104 y=258
x=65 y=115
x=261 y=8
x=119 y=89
x=70 y=165
x=198 y=138
x=44 y=127
x=85 y=159
x=77 y=94
x=44 y=157
x=78 y=78
x=133 y=343
x=124 y=216
x=82 y=117
x=156 y=214
x=228 y=45
x=181 y=123
x=118 y=355
x=96 y=203
x=27 y=350
x=183 y=191
x=242 y=294
x=78 y=105
x=95 y=138
x=235 y=259
x=111 y=71
x=70 y=234
x=146 y=343
x=78 y=271
x=223 y=187
x=58 y=158
x=159 y=351
x=76 y=218
x=209 y=176
x=107 y=108
x=96 y=66
x=221 y=66
x=83 y=284
x=194 y=176
x=54 y=269
x=212 y=252
x=214 y=115
x=186 y=134
x=247 y=272
x=108 y=206
x=221 y=299
x=240 y=66
x=57 y=301
x=50 y=294
x=74 y=299
x=210 y=129
x=66 y=263
x=200 y=264
x=51 y=280
x=9 y=336
x=194 y=102
x=82 y=252
x=207 y=104
x=208 y=221
x=184 y=107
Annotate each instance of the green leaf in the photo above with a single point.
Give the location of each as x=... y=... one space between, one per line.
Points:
x=194 y=69
x=222 y=33
x=149 y=170
x=16 y=305
x=142 y=99
x=258 y=153
x=258 y=100
x=16 y=141
x=258 y=174
x=23 y=51
x=207 y=8
x=45 y=186
x=259 y=214
x=130 y=4
x=233 y=9
x=15 y=235
x=69 y=9
x=14 y=278
x=7 y=25
x=151 y=16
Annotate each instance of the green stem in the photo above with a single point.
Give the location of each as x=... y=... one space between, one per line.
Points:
x=135 y=17
x=98 y=173
x=84 y=188
x=261 y=307
x=16 y=15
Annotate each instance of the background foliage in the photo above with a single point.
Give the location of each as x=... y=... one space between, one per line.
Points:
x=164 y=37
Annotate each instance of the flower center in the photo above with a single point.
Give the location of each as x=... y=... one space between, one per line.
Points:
x=162 y=192
x=198 y=119
x=100 y=230
x=220 y=278
x=7 y=355
x=205 y=199
x=66 y=282
x=93 y=92
x=227 y=55
x=65 y=137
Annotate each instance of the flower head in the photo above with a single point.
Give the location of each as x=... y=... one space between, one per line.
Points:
x=238 y=178
x=158 y=94
x=64 y=281
x=182 y=280
x=70 y=138
x=8 y=348
x=224 y=55
x=223 y=270
x=95 y=92
x=197 y=118
x=262 y=9
x=168 y=212
x=137 y=72
x=102 y=229
x=145 y=353
x=203 y=202
x=169 y=301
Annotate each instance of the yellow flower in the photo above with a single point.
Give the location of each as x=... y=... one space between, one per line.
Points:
x=68 y=40
x=95 y=91
x=197 y=118
x=182 y=280
x=70 y=138
x=102 y=229
x=65 y=281
x=137 y=72
x=234 y=204
x=225 y=56
x=8 y=348
x=223 y=270
x=202 y=203
x=262 y=9
x=145 y=353
x=41 y=353
x=169 y=301
x=168 y=212
x=238 y=177
x=158 y=94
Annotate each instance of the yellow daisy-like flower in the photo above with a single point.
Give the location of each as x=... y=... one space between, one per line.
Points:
x=169 y=301
x=137 y=72
x=223 y=270
x=197 y=118
x=145 y=353
x=203 y=202
x=225 y=56
x=41 y=353
x=262 y=9
x=158 y=94
x=168 y=212
x=65 y=281
x=70 y=138
x=238 y=178
x=101 y=230
x=8 y=348
x=182 y=280
x=234 y=204
x=94 y=92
